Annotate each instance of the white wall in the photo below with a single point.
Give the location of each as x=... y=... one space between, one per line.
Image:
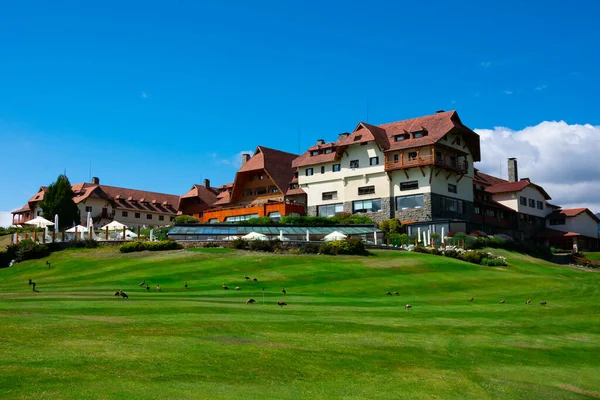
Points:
x=510 y=200
x=582 y=224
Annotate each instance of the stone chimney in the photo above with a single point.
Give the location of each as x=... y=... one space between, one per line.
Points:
x=320 y=142
x=245 y=158
x=207 y=183
x=513 y=172
x=95 y=180
x=343 y=136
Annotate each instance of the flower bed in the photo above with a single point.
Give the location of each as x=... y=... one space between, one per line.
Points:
x=473 y=256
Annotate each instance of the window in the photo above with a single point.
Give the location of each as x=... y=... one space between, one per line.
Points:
x=329 y=196
x=558 y=221
x=330 y=210
x=309 y=171
x=87 y=209
x=161 y=218
x=412 y=155
x=364 y=143
x=323 y=169
x=523 y=201
x=400 y=138
x=438 y=156
x=452 y=188
x=374 y=161
x=238 y=218
x=260 y=177
x=458 y=141
x=366 y=190
x=408 y=202
x=363 y=206
x=490 y=213
x=354 y=164
x=419 y=134
x=327 y=151
x=251 y=177
x=275 y=215
x=452 y=205
x=137 y=215
x=396 y=157
x=501 y=215
x=148 y=216
x=314 y=153
x=412 y=185
x=335 y=168
x=213 y=221
x=260 y=191
x=273 y=189
x=532 y=203
x=476 y=210
x=357 y=138
x=124 y=214
x=248 y=192
x=540 y=205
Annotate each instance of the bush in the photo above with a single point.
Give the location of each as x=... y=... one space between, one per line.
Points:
x=186 y=220
x=29 y=250
x=306 y=221
x=309 y=248
x=150 y=246
x=262 y=221
x=351 y=219
x=264 y=245
x=239 y=244
x=350 y=246
x=86 y=243
x=131 y=247
x=474 y=257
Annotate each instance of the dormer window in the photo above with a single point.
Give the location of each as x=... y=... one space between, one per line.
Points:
x=419 y=134
x=357 y=138
x=399 y=138
x=327 y=151
x=314 y=153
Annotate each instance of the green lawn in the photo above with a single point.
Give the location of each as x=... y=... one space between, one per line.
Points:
x=593 y=256
x=340 y=336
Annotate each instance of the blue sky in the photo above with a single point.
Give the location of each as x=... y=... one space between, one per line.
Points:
x=159 y=95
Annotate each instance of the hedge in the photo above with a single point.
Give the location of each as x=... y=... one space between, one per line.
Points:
x=150 y=246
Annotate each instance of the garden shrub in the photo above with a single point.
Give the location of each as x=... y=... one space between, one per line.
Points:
x=350 y=246
x=308 y=248
x=264 y=245
x=186 y=220
x=474 y=257
x=29 y=250
x=131 y=247
x=239 y=244
x=163 y=245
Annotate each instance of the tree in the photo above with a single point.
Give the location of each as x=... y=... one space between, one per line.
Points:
x=58 y=199
x=186 y=220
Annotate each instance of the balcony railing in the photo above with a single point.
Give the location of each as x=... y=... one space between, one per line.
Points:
x=446 y=163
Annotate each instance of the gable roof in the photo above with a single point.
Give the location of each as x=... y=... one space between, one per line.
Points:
x=436 y=125
x=486 y=179
x=506 y=187
x=572 y=212
x=277 y=164
x=206 y=195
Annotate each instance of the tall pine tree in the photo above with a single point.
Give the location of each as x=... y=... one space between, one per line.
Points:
x=59 y=200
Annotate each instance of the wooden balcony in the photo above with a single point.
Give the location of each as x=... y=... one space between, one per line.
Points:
x=461 y=167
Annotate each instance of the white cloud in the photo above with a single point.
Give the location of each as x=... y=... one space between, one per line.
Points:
x=5 y=219
x=233 y=161
x=485 y=64
x=560 y=157
x=508 y=92
x=144 y=95
x=540 y=87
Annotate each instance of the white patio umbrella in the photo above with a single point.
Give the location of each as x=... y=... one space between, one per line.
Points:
x=335 y=235
x=231 y=238
x=281 y=237
x=114 y=226
x=56 y=223
x=39 y=222
x=80 y=229
x=255 y=236
x=130 y=234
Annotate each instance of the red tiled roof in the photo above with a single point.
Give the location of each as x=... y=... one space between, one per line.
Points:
x=572 y=212
x=22 y=209
x=136 y=195
x=306 y=159
x=292 y=192
x=208 y=196
x=516 y=187
x=278 y=164
x=223 y=198
x=436 y=125
x=39 y=196
x=486 y=179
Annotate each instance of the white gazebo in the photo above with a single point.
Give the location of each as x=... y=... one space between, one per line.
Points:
x=255 y=236
x=335 y=235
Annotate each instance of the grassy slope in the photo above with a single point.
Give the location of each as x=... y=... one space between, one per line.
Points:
x=4 y=241
x=593 y=256
x=339 y=336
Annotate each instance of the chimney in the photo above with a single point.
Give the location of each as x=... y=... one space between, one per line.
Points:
x=343 y=136
x=320 y=142
x=439 y=111
x=513 y=172
x=245 y=158
x=95 y=180
x=207 y=183
x=526 y=179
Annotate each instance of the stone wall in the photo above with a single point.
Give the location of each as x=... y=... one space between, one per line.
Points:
x=311 y=211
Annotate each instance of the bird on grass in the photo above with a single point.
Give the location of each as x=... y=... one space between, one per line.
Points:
x=528 y=301
x=225 y=287
x=123 y=294
x=281 y=304
x=502 y=301
x=388 y=293
x=283 y=291
x=237 y=288
x=250 y=301
x=408 y=307
x=396 y=294
x=185 y=286
x=471 y=299
x=158 y=288
x=142 y=283
x=246 y=277
x=48 y=264
x=147 y=288
x=543 y=303
x=255 y=280
x=117 y=293
x=30 y=283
